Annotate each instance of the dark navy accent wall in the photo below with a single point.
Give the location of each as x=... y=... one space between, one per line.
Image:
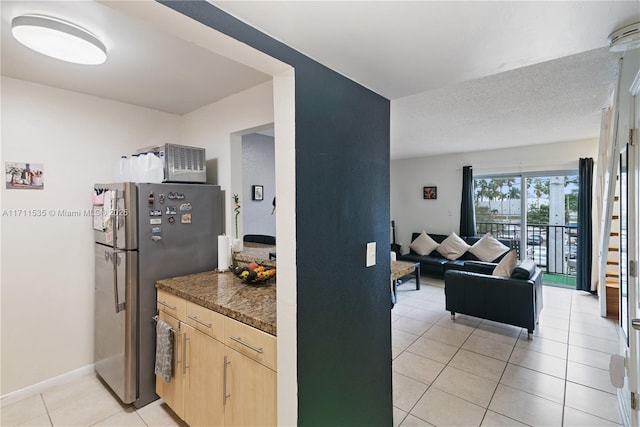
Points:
x=342 y=200
x=344 y=348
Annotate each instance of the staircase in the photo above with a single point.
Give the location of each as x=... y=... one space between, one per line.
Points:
x=612 y=272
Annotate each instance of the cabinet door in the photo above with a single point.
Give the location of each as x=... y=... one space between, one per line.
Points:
x=251 y=392
x=203 y=383
x=173 y=391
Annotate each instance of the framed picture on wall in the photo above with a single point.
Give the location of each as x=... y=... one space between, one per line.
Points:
x=257 y=192
x=24 y=176
x=430 y=193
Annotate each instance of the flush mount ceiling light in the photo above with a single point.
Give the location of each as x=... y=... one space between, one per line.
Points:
x=626 y=38
x=58 y=39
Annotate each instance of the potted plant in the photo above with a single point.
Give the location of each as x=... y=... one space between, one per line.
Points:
x=237 y=242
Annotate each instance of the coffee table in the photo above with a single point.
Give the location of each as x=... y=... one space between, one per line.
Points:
x=400 y=269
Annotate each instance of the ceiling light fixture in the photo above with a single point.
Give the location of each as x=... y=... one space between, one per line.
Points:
x=58 y=39
x=626 y=38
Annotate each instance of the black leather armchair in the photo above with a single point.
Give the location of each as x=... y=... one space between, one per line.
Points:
x=515 y=300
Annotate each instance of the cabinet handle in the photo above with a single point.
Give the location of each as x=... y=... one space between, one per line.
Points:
x=225 y=396
x=167 y=305
x=175 y=349
x=195 y=319
x=239 y=340
x=184 y=353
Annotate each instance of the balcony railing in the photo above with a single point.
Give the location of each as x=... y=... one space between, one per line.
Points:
x=552 y=247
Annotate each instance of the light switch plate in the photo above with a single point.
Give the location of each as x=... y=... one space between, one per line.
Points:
x=371 y=254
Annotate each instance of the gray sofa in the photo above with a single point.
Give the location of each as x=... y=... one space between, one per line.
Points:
x=434 y=264
x=515 y=300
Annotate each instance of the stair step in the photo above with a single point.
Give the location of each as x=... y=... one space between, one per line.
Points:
x=612 y=274
x=615 y=216
x=614 y=234
x=614 y=249
x=613 y=262
x=612 y=284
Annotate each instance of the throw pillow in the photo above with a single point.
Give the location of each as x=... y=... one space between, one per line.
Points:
x=506 y=265
x=453 y=247
x=488 y=248
x=423 y=244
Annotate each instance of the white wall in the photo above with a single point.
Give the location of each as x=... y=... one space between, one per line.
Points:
x=258 y=168
x=47 y=262
x=214 y=127
x=413 y=214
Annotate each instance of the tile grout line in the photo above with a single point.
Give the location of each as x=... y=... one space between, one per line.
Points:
x=46 y=408
x=566 y=363
x=500 y=379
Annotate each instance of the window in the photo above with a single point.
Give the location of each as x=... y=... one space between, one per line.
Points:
x=547 y=231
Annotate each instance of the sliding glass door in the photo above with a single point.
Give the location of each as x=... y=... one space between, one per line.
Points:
x=537 y=209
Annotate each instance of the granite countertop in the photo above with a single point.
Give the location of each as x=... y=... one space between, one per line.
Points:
x=254 y=305
x=255 y=252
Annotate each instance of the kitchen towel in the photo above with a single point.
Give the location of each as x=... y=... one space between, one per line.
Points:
x=164 y=350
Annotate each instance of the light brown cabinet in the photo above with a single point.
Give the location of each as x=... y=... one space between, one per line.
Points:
x=203 y=394
x=251 y=392
x=224 y=370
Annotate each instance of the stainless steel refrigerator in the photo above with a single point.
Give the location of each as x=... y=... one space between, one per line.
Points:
x=143 y=233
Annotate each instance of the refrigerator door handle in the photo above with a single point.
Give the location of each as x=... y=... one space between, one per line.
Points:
x=119 y=305
x=115 y=219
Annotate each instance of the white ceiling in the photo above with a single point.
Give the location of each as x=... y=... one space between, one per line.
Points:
x=462 y=76
x=145 y=67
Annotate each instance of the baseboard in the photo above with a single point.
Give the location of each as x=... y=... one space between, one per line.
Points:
x=37 y=388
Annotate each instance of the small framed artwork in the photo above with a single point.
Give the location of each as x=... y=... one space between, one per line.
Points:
x=22 y=175
x=430 y=193
x=257 y=192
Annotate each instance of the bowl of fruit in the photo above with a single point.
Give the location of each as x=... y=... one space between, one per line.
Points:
x=254 y=273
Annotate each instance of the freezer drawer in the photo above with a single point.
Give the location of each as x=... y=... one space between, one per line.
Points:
x=115 y=319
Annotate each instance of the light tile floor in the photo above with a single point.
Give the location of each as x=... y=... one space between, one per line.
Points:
x=474 y=372
x=466 y=372
x=84 y=401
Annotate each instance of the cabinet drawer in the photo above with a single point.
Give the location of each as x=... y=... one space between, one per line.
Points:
x=171 y=304
x=251 y=342
x=206 y=321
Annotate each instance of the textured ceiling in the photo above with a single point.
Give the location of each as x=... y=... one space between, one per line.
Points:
x=554 y=101
x=463 y=75
x=400 y=48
